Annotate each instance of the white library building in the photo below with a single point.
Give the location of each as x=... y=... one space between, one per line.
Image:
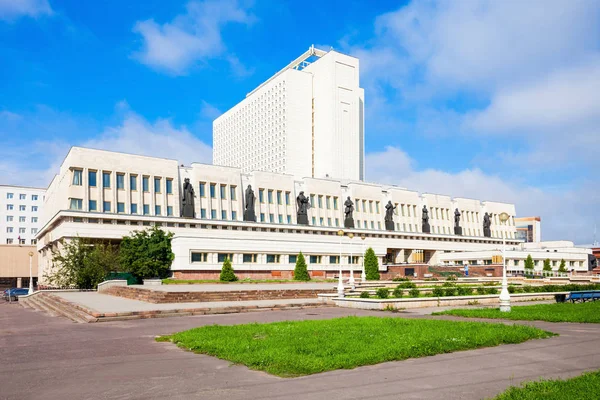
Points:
x=287 y=178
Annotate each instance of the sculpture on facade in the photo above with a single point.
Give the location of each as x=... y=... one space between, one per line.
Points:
x=348 y=212
x=187 y=200
x=389 y=216
x=302 y=204
x=249 y=214
x=457 y=227
x=425 y=220
x=487 y=223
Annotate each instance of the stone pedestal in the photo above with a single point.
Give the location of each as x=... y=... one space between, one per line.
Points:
x=250 y=216
x=349 y=223
x=458 y=230
x=426 y=228
x=389 y=225
x=302 y=219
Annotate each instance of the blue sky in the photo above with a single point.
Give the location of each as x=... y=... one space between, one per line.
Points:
x=483 y=99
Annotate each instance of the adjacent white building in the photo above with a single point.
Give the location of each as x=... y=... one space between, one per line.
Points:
x=306 y=121
x=20 y=214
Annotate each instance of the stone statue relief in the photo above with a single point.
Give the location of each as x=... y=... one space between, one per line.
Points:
x=456 y=218
x=425 y=216
x=303 y=205
x=249 y=214
x=389 y=211
x=187 y=200
x=349 y=210
x=487 y=223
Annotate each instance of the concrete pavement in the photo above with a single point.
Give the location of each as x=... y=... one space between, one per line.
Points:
x=50 y=358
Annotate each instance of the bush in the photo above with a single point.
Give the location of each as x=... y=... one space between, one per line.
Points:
x=451 y=277
x=383 y=293
x=437 y=291
x=371 y=265
x=449 y=284
x=364 y=295
x=398 y=292
x=547 y=266
x=492 y=290
x=529 y=264
x=480 y=290
x=450 y=291
x=562 y=267
x=301 y=271
x=465 y=291
x=414 y=292
x=407 y=285
x=227 y=274
x=512 y=289
x=147 y=253
x=527 y=289
x=400 y=279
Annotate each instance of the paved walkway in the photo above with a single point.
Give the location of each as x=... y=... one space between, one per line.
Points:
x=51 y=358
x=104 y=303
x=234 y=287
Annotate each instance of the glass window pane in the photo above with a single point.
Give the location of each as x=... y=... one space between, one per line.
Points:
x=133 y=182
x=169 y=186
x=120 y=181
x=92 y=178
x=106 y=179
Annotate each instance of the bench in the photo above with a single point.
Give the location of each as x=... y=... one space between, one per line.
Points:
x=583 y=296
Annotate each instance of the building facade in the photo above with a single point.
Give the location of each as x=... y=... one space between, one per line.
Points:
x=529 y=229
x=20 y=214
x=107 y=195
x=306 y=121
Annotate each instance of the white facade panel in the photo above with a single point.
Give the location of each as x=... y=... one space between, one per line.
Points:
x=20 y=214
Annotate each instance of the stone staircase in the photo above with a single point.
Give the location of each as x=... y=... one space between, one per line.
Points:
x=56 y=306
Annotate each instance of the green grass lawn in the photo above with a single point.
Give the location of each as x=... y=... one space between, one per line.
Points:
x=586 y=386
x=557 y=312
x=294 y=348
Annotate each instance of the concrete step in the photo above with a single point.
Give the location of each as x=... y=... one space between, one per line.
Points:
x=38 y=304
x=66 y=310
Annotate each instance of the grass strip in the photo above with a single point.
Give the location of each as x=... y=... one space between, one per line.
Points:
x=586 y=386
x=558 y=312
x=295 y=348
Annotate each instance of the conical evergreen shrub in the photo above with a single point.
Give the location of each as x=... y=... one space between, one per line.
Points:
x=371 y=265
x=227 y=274
x=301 y=271
x=562 y=267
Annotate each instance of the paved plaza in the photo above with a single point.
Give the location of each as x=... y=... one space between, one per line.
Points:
x=52 y=358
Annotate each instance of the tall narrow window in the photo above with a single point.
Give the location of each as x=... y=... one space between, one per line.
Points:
x=279 y=197
x=156 y=185
x=106 y=179
x=133 y=182
x=157 y=210
x=76 y=204
x=92 y=205
x=120 y=181
x=232 y=190
x=92 y=178
x=261 y=195
x=223 y=189
x=270 y=196
x=202 y=189
x=77 y=177
x=145 y=183
x=106 y=206
x=287 y=198
x=120 y=207
x=169 y=186
x=213 y=190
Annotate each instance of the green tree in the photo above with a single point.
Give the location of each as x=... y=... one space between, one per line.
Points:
x=529 y=263
x=301 y=271
x=371 y=265
x=82 y=263
x=547 y=266
x=147 y=253
x=227 y=274
x=562 y=267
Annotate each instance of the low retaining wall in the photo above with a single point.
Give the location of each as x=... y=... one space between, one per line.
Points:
x=421 y=302
x=104 y=286
x=156 y=296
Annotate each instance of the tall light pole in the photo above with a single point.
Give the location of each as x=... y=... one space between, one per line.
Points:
x=351 y=281
x=504 y=295
x=363 y=274
x=340 y=287
x=30 y=273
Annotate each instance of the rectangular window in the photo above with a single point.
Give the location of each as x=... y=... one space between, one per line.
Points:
x=262 y=217
x=337 y=222
x=76 y=179
x=270 y=196
x=271 y=218
x=133 y=182
x=328 y=202
x=213 y=190
x=371 y=207
x=22 y=208
x=145 y=183
x=202 y=189
x=169 y=186
x=321 y=221
x=120 y=181
x=34 y=220
x=273 y=258
x=232 y=190
x=223 y=191
x=315 y=259
x=320 y=201
x=157 y=210
x=249 y=258
x=372 y=225
x=312 y=200
x=358 y=223
x=9 y=241
x=213 y=214
x=24 y=196
x=261 y=195
x=408 y=209
x=221 y=257
x=223 y=214
x=156 y=185
x=92 y=178
x=76 y=204
x=379 y=225
x=199 y=257
x=328 y=221
x=280 y=219
x=289 y=219
x=377 y=207
x=120 y=207
x=93 y=205
x=203 y=213
x=335 y=203
x=146 y=208
x=34 y=197
x=234 y=215
x=292 y=259
x=9 y=229
x=287 y=198
x=9 y=218
x=9 y=207
x=21 y=219
x=21 y=230
x=279 y=197
x=106 y=206
x=170 y=211
x=334 y=259
x=9 y=195
x=314 y=220
x=357 y=205
x=106 y=179
x=134 y=209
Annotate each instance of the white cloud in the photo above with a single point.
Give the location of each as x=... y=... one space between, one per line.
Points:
x=190 y=38
x=566 y=212
x=13 y=9
x=209 y=112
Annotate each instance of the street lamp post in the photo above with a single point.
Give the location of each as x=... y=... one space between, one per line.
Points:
x=351 y=281
x=340 y=287
x=30 y=273
x=363 y=274
x=504 y=295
